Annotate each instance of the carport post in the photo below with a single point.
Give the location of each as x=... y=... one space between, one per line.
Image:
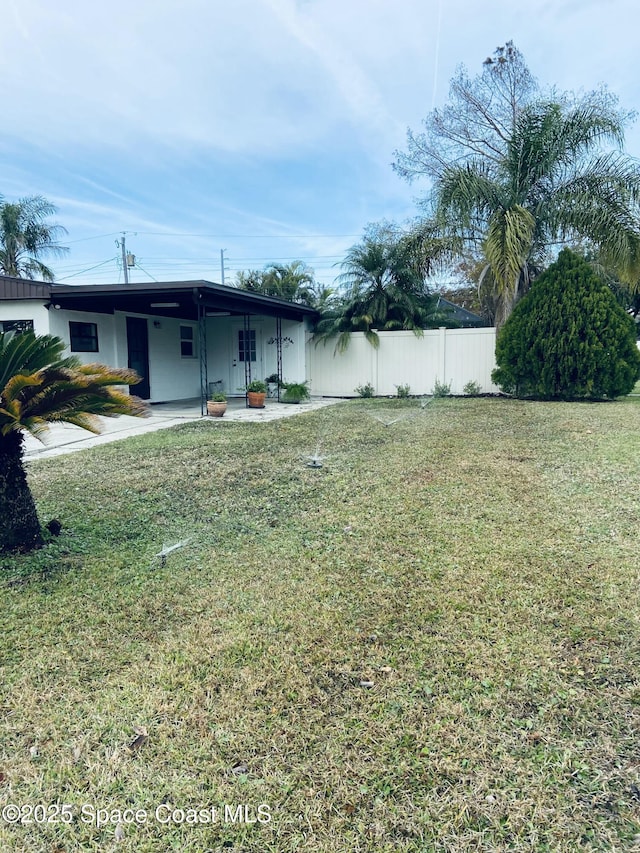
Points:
x=279 y=352
x=247 y=355
x=202 y=349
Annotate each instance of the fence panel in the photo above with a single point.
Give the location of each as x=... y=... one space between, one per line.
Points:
x=449 y=356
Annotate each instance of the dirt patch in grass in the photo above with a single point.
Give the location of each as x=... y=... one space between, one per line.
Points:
x=430 y=643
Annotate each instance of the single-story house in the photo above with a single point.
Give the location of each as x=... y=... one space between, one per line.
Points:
x=185 y=339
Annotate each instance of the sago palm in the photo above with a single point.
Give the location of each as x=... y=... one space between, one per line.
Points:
x=39 y=387
x=555 y=184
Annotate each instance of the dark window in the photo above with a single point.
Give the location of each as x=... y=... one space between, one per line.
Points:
x=187 y=348
x=16 y=325
x=247 y=345
x=84 y=337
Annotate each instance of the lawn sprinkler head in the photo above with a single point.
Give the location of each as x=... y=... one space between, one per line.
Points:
x=314 y=460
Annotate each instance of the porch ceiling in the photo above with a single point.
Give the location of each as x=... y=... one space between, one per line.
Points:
x=174 y=299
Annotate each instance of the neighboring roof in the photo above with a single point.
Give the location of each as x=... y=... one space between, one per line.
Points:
x=144 y=298
x=462 y=315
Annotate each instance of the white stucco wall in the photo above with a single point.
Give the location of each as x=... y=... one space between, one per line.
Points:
x=27 y=309
x=59 y=325
x=293 y=355
x=171 y=376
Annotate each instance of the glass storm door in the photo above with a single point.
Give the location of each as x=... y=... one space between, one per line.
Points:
x=246 y=353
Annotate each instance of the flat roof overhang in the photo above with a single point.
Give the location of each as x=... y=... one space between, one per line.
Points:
x=174 y=299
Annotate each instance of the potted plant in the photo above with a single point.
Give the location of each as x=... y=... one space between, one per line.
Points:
x=256 y=393
x=295 y=392
x=217 y=405
x=272 y=385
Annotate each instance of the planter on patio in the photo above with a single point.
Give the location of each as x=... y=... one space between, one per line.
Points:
x=216 y=410
x=256 y=399
x=217 y=405
x=256 y=394
x=295 y=392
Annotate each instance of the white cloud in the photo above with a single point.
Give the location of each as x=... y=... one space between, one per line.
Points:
x=257 y=116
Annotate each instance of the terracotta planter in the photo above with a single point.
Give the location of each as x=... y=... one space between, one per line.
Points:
x=216 y=410
x=256 y=399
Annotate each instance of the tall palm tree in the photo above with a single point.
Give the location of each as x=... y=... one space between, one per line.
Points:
x=26 y=235
x=38 y=387
x=554 y=184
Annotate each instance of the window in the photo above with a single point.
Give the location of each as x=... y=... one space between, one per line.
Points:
x=187 y=347
x=16 y=325
x=84 y=337
x=247 y=345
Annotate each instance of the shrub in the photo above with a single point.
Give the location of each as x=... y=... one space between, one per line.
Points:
x=365 y=390
x=441 y=389
x=404 y=391
x=295 y=392
x=567 y=338
x=472 y=389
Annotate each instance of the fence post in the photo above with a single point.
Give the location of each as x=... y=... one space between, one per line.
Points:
x=373 y=364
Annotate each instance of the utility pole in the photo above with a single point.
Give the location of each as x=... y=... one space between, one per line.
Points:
x=125 y=268
x=128 y=259
x=222 y=251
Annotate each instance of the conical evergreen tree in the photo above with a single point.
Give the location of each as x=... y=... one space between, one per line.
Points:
x=568 y=338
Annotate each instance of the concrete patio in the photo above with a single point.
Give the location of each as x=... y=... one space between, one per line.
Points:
x=65 y=438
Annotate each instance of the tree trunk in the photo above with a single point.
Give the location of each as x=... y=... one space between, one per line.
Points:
x=507 y=301
x=19 y=525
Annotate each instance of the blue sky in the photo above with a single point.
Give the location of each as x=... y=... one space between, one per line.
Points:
x=262 y=127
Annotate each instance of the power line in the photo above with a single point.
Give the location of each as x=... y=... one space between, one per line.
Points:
x=242 y=258
x=88 y=269
x=144 y=271
x=248 y=236
x=97 y=237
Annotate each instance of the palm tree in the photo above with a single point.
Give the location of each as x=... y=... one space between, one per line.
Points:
x=289 y=281
x=554 y=184
x=319 y=296
x=38 y=387
x=25 y=235
x=385 y=287
x=293 y=281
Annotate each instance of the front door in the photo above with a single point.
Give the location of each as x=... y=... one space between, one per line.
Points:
x=247 y=352
x=138 y=348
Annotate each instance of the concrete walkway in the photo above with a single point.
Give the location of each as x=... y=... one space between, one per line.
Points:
x=65 y=438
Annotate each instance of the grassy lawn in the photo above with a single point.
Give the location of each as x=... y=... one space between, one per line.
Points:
x=429 y=644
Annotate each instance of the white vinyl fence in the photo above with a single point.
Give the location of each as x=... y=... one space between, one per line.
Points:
x=450 y=356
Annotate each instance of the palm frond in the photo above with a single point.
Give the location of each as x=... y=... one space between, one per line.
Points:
x=508 y=245
x=39 y=387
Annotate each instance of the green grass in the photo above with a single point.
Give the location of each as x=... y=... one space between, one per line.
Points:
x=429 y=644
